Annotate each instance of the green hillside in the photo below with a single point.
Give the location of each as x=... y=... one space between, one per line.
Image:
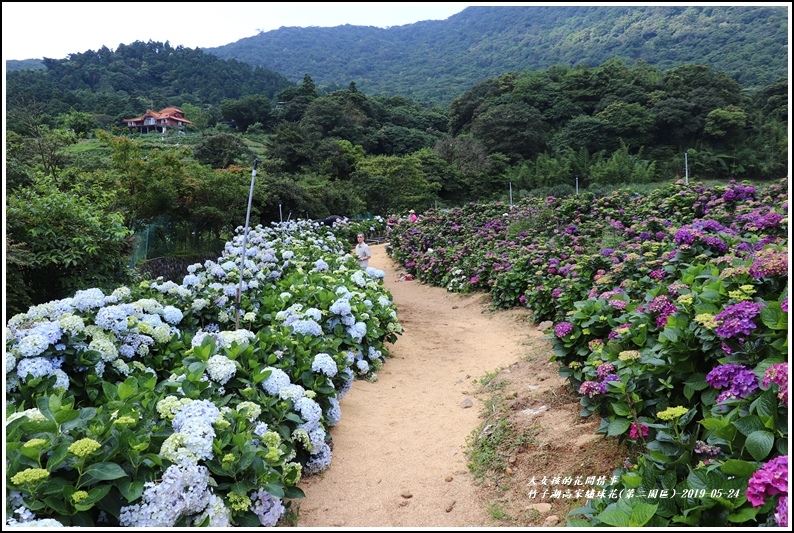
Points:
x=435 y=61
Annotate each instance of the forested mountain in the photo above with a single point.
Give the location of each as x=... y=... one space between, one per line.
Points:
x=127 y=81
x=435 y=61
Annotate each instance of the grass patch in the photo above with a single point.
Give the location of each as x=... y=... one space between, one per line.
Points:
x=489 y=383
x=490 y=446
x=497 y=512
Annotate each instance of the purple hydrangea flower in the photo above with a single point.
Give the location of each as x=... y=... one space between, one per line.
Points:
x=706 y=449
x=562 y=329
x=738 y=381
x=768 y=262
x=664 y=308
x=592 y=388
x=605 y=369
x=736 y=319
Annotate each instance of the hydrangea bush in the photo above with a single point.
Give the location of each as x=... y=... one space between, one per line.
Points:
x=170 y=404
x=669 y=316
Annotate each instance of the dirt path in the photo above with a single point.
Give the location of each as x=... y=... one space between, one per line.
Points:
x=398 y=456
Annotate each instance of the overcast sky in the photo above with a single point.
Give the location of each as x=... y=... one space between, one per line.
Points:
x=33 y=30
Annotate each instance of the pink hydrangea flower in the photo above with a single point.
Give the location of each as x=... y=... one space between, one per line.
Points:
x=770 y=479
x=635 y=432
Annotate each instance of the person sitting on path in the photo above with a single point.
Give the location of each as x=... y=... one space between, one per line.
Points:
x=362 y=252
x=412 y=216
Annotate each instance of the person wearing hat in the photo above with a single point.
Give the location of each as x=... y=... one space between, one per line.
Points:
x=412 y=216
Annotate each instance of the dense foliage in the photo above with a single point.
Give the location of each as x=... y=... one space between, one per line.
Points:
x=189 y=403
x=434 y=61
x=668 y=313
x=531 y=134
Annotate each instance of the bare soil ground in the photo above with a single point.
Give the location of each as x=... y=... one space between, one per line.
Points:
x=459 y=377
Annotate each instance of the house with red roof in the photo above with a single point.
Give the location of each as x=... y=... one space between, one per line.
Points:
x=158 y=121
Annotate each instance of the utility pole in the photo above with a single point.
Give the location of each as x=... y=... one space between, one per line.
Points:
x=245 y=243
x=686 y=167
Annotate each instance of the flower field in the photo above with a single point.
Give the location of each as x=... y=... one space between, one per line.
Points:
x=669 y=315
x=183 y=404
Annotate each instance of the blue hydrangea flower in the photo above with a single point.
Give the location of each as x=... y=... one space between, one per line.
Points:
x=325 y=364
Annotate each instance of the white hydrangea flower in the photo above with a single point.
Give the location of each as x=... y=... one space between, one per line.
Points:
x=221 y=369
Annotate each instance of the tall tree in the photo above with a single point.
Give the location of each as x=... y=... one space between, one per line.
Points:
x=514 y=129
x=390 y=184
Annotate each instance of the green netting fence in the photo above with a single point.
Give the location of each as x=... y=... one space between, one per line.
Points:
x=169 y=237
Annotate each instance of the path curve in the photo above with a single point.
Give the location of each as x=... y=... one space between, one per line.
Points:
x=399 y=449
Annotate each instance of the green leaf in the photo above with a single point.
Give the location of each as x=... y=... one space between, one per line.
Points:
x=293 y=418
x=670 y=334
x=765 y=405
x=613 y=517
x=82 y=519
x=727 y=433
x=241 y=487
x=58 y=456
x=57 y=504
x=659 y=456
x=697 y=480
x=759 y=444
x=745 y=514
x=578 y=522
x=697 y=381
x=709 y=295
x=43 y=403
x=714 y=423
x=632 y=480
x=689 y=392
x=94 y=495
x=748 y=424
x=248 y=520
x=197 y=368
x=131 y=490
x=128 y=388
x=102 y=472
x=640 y=337
x=618 y=427
x=773 y=318
x=65 y=415
x=781 y=445
x=641 y=514
x=293 y=492
x=739 y=468
x=275 y=490
x=110 y=390
x=621 y=409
